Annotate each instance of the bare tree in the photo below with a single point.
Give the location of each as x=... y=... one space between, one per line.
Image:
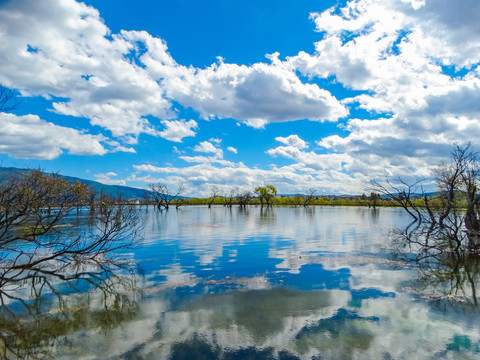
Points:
x=244 y=198
x=401 y=194
x=6 y=99
x=36 y=240
x=215 y=191
x=450 y=220
x=228 y=199
x=164 y=196
x=309 y=197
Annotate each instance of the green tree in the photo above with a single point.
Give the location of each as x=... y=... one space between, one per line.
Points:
x=266 y=194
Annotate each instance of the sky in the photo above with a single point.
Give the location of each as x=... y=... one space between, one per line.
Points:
x=296 y=94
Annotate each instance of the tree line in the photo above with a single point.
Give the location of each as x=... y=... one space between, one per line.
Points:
x=164 y=197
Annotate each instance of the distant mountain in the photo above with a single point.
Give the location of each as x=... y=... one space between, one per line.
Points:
x=125 y=192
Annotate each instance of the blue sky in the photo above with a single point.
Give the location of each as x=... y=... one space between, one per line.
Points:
x=306 y=94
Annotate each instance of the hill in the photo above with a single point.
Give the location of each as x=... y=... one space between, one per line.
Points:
x=125 y=192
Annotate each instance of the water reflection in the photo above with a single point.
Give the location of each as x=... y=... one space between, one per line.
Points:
x=282 y=283
x=32 y=322
x=447 y=273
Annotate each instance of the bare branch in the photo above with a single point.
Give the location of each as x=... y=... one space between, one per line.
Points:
x=164 y=196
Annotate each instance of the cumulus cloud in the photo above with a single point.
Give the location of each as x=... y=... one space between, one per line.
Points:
x=198 y=178
x=292 y=140
x=256 y=94
x=208 y=147
x=29 y=137
x=232 y=149
x=67 y=52
x=410 y=65
x=404 y=58
x=393 y=50
x=176 y=130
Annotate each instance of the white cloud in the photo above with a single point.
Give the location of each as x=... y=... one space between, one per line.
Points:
x=401 y=59
x=292 y=140
x=29 y=137
x=176 y=130
x=68 y=54
x=256 y=94
x=413 y=64
x=396 y=53
x=393 y=51
x=208 y=147
x=232 y=149
x=206 y=159
x=287 y=179
x=64 y=52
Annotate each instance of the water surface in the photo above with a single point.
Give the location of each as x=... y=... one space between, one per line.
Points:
x=277 y=283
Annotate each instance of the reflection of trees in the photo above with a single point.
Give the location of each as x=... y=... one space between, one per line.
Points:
x=267 y=216
x=447 y=272
x=444 y=239
x=30 y=327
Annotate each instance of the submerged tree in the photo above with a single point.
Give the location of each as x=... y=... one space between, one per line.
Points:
x=215 y=194
x=449 y=221
x=244 y=198
x=38 y=239
x=47 y=246
x=164 y=196
x=309 y=197
x=447 y=274
x=228 y=199
x=266 y=194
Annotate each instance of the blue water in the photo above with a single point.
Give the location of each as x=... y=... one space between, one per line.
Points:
x=279 y=283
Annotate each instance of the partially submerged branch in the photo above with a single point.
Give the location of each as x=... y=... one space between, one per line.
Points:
x=163 y=196
x=451 y=219
x=38 y=239
x=400 y=195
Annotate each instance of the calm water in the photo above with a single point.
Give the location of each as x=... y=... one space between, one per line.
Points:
x=280 y=283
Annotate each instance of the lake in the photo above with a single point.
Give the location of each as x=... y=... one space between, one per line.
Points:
x=276 y=283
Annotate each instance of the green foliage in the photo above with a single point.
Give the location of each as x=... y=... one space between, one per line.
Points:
x=266 y=194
